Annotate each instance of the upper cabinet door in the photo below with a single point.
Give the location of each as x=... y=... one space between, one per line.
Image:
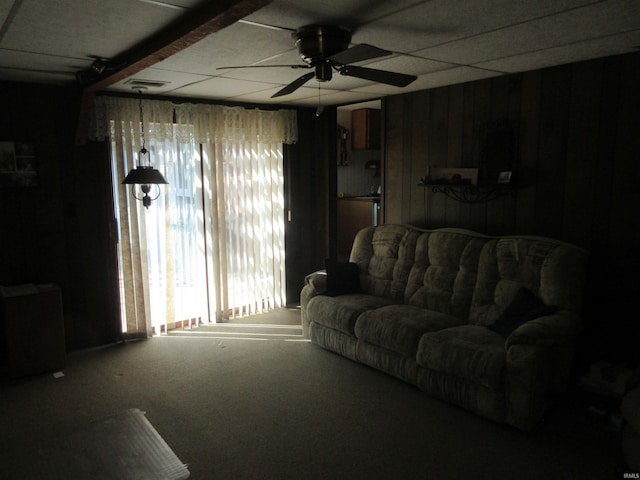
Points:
x=365 y=126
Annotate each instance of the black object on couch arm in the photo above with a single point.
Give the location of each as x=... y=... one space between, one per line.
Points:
x=342 y=278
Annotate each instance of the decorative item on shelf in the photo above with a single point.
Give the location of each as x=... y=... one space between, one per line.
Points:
x=470 y=193
x=461 y=184
x=144 y=174
x=453 y=176
x=504 y=178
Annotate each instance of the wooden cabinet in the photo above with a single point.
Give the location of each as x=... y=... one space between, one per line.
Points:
x=365 y=126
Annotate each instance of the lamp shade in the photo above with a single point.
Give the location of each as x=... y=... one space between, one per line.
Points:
x=144 y=175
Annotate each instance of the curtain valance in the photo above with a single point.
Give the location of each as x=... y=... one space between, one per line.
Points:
x=206 y=123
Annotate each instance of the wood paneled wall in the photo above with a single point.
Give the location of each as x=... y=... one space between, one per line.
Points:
x=311 y=197
x=577 y=167
x=59 y=231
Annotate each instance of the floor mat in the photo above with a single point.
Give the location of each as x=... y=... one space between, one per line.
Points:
x=122 y=447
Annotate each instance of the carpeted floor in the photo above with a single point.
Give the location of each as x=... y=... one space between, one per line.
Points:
x=252 y=399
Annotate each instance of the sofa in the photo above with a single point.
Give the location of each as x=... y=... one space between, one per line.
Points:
x=485 y=323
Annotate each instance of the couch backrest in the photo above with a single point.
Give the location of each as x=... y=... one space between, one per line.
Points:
x=444 y=271
x=384 y=255
x=553 y=270
x=466 y=274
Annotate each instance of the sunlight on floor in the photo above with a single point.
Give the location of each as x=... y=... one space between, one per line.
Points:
x=282 y=324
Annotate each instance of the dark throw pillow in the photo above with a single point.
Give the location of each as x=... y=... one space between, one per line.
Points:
x=524 y=307
x=342 y=278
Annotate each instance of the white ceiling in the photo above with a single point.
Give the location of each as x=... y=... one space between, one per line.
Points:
x=443 y=42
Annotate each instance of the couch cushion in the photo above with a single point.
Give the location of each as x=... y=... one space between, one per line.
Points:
x=469 y=352
x=399 y=327
x=340 y=313
x=443 y=274
x=552 y=270
x=384 y=255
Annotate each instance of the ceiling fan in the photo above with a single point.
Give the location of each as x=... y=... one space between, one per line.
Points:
x=325 y=48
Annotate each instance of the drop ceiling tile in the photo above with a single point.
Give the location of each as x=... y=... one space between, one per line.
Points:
x=220 y=88
x=173 y=81
x=274 y=76
x=239 y=44
x=437 y=22
x=382 y=90
x=175 y=4
x=342 y=82
x=82 y=28
x=34 y=76
x=409 y=64
x=60 y=68
x=598 y=20
x=452 y=76
x=295 y=13
x=265 y=96
x=603 y=47
x=341 y=98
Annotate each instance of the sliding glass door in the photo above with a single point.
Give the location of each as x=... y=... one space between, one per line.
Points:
x=212 y=244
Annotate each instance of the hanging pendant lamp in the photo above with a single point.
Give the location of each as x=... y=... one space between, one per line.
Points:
x=144 y=174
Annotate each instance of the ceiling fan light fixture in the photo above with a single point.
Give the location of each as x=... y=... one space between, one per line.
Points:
x=317 y=42
x=323 y=72
x=325 y=48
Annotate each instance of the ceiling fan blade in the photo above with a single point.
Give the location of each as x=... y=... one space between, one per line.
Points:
x=266 y=25
x=380 y=76
x=265 y=66
x=358 y=53
x=293 y=86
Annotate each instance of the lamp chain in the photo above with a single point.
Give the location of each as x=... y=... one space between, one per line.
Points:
x=143 y=150
x=141 y=126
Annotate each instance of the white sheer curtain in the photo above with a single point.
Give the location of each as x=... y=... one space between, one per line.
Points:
x=212 y=244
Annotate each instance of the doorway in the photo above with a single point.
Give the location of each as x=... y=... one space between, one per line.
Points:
x=359 y=178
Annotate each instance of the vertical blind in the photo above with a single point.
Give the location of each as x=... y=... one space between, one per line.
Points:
x=212 y=244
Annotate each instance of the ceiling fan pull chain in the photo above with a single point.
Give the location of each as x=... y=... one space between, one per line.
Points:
x=320 y=108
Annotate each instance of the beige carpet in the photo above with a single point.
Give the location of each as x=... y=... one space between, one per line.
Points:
x=253 y=400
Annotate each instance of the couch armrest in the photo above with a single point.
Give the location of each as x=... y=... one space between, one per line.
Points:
x=318 y=280
x=539 y=358
x=546 y=331
x=314 y=284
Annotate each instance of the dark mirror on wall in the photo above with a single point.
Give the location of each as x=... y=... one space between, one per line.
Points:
x=499 y=152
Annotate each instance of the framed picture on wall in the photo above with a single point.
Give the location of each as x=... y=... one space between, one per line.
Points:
x=18 y=164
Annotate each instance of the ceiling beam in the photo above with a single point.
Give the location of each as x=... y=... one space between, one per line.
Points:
x=211 y=17
x=202 y=21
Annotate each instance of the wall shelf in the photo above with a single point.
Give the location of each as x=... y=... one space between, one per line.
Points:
x=466 y=193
